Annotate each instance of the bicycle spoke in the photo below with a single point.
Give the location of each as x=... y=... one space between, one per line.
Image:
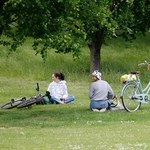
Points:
x=12 y=104
x=129 y=98
x=27 y=103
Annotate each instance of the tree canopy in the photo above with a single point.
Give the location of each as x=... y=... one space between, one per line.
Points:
x=68 y=25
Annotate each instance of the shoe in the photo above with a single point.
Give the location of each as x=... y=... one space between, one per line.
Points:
x=62 y=100
x=102 y=110
x=95 y=110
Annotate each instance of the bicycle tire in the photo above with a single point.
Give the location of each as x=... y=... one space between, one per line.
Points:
x=27 y=103
x=129 y=97
x=12 y=104
x=39 y=99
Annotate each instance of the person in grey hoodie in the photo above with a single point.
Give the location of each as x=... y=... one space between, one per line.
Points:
x=99 y=92
x=58 y=89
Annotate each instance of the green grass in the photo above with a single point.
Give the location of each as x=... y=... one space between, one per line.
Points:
x=72 y=126
x=117 y=57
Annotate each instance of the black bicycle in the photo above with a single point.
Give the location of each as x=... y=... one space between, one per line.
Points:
x=13 y=103
x=26 y=102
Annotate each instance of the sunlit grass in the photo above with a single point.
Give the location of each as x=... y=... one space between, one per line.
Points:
x=72 y=126
x=117 y=57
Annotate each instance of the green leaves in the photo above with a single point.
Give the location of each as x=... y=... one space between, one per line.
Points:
x=69 y=25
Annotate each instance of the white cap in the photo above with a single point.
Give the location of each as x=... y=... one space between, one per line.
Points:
x=97 y=74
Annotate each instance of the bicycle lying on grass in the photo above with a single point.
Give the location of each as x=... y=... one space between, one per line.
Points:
x=133 y=94
x=25 y=102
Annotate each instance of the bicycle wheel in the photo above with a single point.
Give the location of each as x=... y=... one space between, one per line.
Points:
x=129 y=99
x=27 y=103
x=12 y=104
x=40 y=100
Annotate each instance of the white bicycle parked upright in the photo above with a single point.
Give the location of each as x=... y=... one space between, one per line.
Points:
x=133 y=94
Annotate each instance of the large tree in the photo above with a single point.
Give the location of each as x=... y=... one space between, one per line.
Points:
x=68 y=25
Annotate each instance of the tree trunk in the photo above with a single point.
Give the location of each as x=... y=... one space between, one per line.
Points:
x=95 y=52
x=1 y=30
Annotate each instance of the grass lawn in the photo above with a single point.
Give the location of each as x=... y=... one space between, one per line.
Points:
x=71 y=126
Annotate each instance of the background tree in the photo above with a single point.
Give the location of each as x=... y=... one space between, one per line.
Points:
x=68 y=25
x=2 y=2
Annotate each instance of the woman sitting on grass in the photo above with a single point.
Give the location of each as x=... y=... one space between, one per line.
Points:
x=98 y=93
x=58 y=89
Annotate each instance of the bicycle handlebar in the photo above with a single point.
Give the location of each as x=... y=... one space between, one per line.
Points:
x=37 y=87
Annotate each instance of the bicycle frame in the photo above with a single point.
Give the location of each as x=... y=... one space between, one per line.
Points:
x=147 y=88
x=133 y=93
x=143 y=97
